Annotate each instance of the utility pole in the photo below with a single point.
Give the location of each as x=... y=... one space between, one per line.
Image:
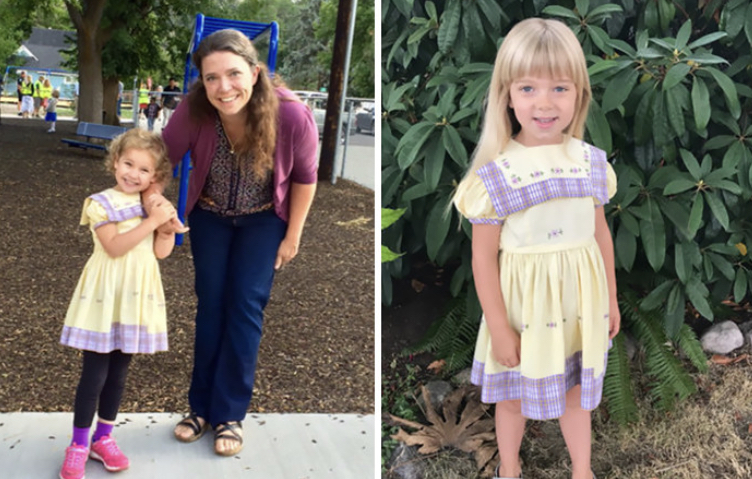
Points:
x=336 y=95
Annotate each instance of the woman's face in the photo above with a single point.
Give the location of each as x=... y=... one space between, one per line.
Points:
x=229 y=81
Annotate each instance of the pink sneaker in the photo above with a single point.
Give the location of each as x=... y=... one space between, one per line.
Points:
x=74 y=466
x=108 y=453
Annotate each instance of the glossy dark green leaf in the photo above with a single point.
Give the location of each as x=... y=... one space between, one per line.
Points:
x=453 y=144
x=433 y=163
x=693 y=166
x=718 y=208
x=674 y=110
x=700 y=103
x=437 y=227
x=674 y=75
x=679 y=186
x=740 y=285
x=411 y=143
x=695 y=214
x=729 y=90
x=682 y=37
x=680 y=263
x=625 y=245
x=619 y=88
x=697 y=294
x=557 y=11
x=598 y=128
x=653 y=236
x=657 y=296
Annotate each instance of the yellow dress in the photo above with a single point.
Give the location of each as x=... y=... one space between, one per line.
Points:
x=552 y=276
x=119 y=302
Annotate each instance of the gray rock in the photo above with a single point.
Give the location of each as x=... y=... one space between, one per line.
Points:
x=437 y=392
x=722 y=338
x=462 y=378
x=746 y=327
x=404 y=463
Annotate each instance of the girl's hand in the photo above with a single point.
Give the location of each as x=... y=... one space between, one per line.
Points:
x=614 y=319
x=288 y=249
x=506 y=347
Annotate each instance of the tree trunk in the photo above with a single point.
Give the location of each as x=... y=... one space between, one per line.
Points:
x=335 y=98
x=90 y=43
x=110 y=91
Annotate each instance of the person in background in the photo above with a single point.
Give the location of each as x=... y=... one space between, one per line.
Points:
x=27 y=97
x=19 y=83
x=120 y=98
x=170 y=100
x=38 y=85
x=51 y=108
x=152 y=112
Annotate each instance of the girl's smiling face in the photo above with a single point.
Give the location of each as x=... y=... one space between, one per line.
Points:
x=544 y=107
x=228 y=80
x=134 y=170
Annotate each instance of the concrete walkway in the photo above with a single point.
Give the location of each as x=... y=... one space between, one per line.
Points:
x=277 y=446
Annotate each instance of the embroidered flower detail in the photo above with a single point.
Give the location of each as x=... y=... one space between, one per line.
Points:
x=557 y=171
x=605 y=316
x=563 y=320
x=551 y=325
x=555 y=233
x=515 y=179
x=576 y=169
x=536 y=174
x=505 y=164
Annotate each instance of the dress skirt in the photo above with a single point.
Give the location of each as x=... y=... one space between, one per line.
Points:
x=558 y=301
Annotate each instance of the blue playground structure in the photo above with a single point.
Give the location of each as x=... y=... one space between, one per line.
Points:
x=204 y=27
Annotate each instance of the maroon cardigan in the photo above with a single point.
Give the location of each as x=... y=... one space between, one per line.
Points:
x=294 y=156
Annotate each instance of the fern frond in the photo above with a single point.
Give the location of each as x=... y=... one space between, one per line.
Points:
x=617 y=387
x=672 y=381
x=688 y=342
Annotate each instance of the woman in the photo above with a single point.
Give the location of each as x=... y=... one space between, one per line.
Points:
x=253 y=151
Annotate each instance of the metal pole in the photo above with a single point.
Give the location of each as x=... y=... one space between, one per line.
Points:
x=344 y=93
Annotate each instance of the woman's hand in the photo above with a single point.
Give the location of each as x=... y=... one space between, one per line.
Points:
x=288 y=249
x=506 y=347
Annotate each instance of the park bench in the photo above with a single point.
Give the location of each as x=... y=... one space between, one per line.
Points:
x=97 y=131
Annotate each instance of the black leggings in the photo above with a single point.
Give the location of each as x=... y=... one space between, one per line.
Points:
x=102 y=381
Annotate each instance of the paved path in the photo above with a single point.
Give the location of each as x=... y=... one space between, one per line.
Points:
x=278 y=446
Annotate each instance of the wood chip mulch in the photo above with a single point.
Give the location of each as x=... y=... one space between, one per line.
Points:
x=317 y=353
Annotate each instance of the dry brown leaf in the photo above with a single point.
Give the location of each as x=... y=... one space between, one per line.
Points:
x=437 y=366
x=417 y=285
x=725 y=360
x=467 y=430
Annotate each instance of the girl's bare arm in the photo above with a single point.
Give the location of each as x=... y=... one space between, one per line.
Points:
x=606 y=245
x=505 y=340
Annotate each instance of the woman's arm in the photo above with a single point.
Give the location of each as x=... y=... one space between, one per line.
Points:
x=505 y=341
x=301 y=198
x=606 y=245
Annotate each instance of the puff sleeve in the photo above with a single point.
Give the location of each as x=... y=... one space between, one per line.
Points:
x=473 y=201
x=94 y=214
x=610 y=180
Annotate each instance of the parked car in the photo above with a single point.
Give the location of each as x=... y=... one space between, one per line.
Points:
x=365 y=120
x=317 y=103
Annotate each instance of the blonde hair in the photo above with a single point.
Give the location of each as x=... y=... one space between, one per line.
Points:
x=56 y=93
x=141 y=139
x=533 y=47
x=260 y=137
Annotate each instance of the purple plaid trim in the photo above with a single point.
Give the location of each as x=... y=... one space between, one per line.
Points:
x=485 y=221
x=542 y=398
x=507 y=200
x=113 y=215
x=127 y=338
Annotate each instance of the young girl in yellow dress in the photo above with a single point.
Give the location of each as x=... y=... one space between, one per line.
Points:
x=543 y=258
x=118 y=307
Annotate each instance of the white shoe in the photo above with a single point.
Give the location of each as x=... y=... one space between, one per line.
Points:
x=51 y=130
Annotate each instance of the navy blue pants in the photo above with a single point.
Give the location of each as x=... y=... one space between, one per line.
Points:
x=234 y=266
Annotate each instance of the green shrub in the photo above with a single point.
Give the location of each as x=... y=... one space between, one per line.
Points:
x=670 y=106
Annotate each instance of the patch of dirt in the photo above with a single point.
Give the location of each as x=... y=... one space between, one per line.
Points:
x=317 y=353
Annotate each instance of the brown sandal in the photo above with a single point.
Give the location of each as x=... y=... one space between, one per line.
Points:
x=194 y=422
x=228 y=430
